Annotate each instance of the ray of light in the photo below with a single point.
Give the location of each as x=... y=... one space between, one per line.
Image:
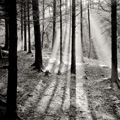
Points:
x=54 y=51
x=35 y=95
x=81 y=96
x=46 y=98
x=99 y=40
x=57 y=98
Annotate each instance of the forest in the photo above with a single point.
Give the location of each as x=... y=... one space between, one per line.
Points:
x=60 y=60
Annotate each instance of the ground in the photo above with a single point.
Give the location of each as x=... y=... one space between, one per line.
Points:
x=84 y=96
x=49 y=97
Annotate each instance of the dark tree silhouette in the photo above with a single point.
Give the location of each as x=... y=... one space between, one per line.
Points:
x=54 y=21
x=59 y=72
x=73 y=59
x=29 y=39
x=12 y=71
x=38 y=51
x=22 y=22
x=114 y=72
x=25 y=35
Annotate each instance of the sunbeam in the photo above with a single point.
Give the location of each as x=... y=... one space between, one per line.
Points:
x=54 y=51
x=99 y=40
x=81 y=97
x=46 y=98
x=35 y=95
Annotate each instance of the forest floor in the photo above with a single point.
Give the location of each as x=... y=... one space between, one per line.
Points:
x=86 y=96
x=52 y=97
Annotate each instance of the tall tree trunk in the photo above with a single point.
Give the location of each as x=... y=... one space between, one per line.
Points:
x=43 y=23
x=25 y=36
x=114 y=72
x=29 y=41
x=60 y=32
x=73 y=59
x=22 y=23
x=54 y=21
x=89 y=28
x=6 y=26
x=38 y=51
x=81 y=26
x=60 y=36
x=12 y=71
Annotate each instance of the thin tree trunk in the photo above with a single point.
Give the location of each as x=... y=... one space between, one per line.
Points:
x=60 y=32
x=59 y=72
x=25 y=36
x=29 y=41
x=54 y=21
x=73 y=59
x=43 y=23
x=22 y=23
x=12 y=71
x=6 y=26
x=89 y=28
x=81 y=26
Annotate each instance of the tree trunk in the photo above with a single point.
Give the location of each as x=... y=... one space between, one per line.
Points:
x=12 y=71
x=43 y=23
x=114 y=72
x=81 y=26
x=22 y=23
x=38 y=51
x=60 y=32
x=29 y=41
x=25 y=36
x=6 y=25
x=54 y=21
x=73 y=59
x=89 y=28
x=59 y=72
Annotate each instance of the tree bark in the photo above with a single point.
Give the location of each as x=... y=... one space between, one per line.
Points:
x=6 y=26
x=29 y=41
x=60 y=32
x=25 y=36
x=54 y=21
x=22 y=23
x=81 y=27
x=114 y=72
x=73 y=59
x=12 y=71
x=38 y=51
x=89 y=28
x=43 y=23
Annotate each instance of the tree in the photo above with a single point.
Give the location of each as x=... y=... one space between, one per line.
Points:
x=12 y=71
x=22 y=22
x=54 y=21
x=28 y=13
x=89 y=28
x=25 y=36
x=114 y=72
x=81 y=26
x=73 y=59
x=43 y=26
x=6 y=26
x=60 y=37
x=38 y=51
